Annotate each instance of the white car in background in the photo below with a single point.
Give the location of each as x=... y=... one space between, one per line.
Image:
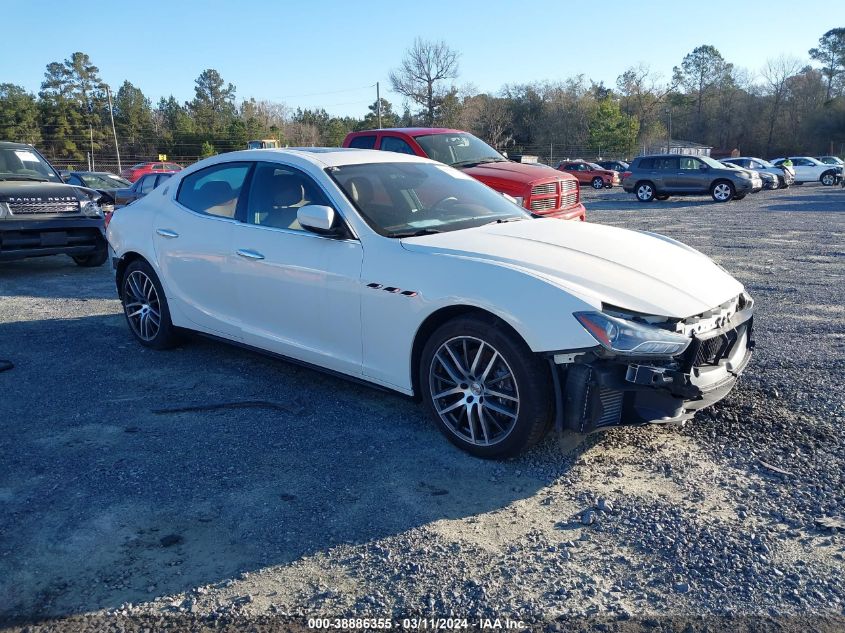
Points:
x=808 y=169
x=784 y=174
x=408 y=274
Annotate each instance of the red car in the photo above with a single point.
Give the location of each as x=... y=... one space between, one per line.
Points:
x=538 y=188
x=590 y=173
x=136 y=171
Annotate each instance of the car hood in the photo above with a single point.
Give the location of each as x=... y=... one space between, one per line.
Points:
x=13 y=189
x=524 y=173
x=641 y=272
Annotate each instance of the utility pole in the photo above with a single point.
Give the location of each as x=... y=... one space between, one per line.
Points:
x=378 y=105
x=669 y=138
x=91 y=132
x=114 y=131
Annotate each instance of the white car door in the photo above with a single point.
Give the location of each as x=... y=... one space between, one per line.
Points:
x=805 y=170
x=193 y=241
x=299 y=292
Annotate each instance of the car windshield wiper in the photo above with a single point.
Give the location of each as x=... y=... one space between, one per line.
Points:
x=515 y=218
x=475 y=162
x=33 y=178
x=416 y=233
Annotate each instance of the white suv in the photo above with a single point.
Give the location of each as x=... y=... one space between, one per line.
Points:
x=809 y=169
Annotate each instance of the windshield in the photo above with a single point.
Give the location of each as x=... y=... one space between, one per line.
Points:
x=406 y=199
x=764 y=163
x=104 y=181
x=458 y=150
x=25 y=164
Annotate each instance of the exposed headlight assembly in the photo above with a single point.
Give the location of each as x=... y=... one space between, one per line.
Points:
x=631 y=338
x=90 y=208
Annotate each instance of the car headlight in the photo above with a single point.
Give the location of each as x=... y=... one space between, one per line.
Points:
x=631 y=338
x=91 y=209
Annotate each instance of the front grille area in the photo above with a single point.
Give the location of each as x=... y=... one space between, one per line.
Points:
x=52 y=207
x=549 y=188
x=543 y=204
x=712 y=350
x=568 y=193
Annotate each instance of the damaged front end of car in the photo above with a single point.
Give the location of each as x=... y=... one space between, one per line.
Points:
x=647 y=369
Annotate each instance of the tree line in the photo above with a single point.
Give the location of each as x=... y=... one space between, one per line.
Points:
x=788 y=106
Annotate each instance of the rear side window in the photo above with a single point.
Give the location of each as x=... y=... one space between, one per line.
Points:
x=363 y=142
x=214 y=190
x=393 y=144
x=646 y=163
x=667 y=164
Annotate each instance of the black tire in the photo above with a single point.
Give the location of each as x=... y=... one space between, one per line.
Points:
x=740 y=196
x=166 y=335
x=528 y=379
x=781 y=183
x=597 y=183
x=828 y=178
x=93 y=260
x=645 y=191
x=662 y=197
x=722 y=191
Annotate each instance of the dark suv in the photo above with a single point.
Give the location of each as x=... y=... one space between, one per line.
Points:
x=41 y=215
x=665 y=175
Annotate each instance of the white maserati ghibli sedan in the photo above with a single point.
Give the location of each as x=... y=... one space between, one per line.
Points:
x=405 y=273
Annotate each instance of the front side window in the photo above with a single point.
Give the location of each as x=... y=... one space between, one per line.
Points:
x=148 y=183
x=406 y=199
x=214 y=190
x=393 y=144
x=363 y=142
x=277 y=193
x=690 y=163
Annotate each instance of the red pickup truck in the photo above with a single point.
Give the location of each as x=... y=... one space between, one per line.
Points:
x=538 y=188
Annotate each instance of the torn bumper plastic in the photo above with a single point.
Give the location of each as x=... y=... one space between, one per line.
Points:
x=599 y=393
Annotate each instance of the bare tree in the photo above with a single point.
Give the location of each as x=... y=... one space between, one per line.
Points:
x=777 y=72
x=424 y=68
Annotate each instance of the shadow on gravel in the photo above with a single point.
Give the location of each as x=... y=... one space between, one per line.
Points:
x=630 y=203
x=119 y=483
x=53 y=277
x=831 y=202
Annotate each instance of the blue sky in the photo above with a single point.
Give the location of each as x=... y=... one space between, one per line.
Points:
x=330 y=53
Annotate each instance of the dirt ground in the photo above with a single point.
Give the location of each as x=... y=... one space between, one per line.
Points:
x=211 y=486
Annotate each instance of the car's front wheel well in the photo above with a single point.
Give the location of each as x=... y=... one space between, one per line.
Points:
x=122 y=265
x=438 y=318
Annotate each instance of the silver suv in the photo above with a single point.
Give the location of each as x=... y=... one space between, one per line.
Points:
x=663 y=175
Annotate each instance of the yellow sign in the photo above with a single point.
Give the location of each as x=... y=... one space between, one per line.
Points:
x=162 y=156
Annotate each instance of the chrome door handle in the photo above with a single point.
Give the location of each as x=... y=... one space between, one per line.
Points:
x=167 y=233
x=248 y=254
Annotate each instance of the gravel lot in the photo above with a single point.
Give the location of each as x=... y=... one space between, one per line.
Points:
x=210 y=484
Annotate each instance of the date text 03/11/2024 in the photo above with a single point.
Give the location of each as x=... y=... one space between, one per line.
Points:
x=440 y=624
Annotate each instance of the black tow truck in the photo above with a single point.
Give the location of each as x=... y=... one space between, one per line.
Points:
x=42 y=215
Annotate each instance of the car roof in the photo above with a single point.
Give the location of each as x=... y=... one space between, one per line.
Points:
x=322 y=157
x=415 y=131
x=11 y=145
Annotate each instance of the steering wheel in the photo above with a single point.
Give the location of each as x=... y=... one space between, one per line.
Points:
x=449 y=199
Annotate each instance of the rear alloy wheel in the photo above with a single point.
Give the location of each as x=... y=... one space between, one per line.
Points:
x=145 y=307
x=597 y=183
x=489 y=394
x=722 y=191
x=645 y=192
x=828 y=179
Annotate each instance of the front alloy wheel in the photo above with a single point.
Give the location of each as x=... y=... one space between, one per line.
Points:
x=489 y=394
x=474 y=391
x=598 y=183
x=722 y=191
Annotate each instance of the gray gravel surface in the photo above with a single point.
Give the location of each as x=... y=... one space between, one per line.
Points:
x=209 y=483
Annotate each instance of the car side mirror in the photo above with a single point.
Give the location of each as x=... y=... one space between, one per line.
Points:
x=318 y=218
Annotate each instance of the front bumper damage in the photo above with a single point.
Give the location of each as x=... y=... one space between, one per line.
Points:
x=595 y=392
